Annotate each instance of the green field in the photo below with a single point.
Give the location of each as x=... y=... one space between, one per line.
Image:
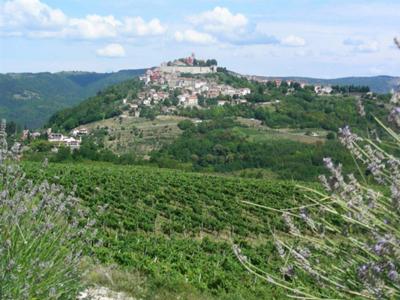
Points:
x=178 y=228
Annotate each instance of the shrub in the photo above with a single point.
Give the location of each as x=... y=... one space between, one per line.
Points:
x=345 y=240
x=43 y=235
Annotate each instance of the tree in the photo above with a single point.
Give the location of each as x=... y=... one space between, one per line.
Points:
x=186 y=125
x=41 y=146
x=63 y=154
x=211 y=62
x=331 y=136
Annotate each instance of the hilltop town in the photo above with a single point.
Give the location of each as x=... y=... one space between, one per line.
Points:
x=191 y=81
x=188 y=79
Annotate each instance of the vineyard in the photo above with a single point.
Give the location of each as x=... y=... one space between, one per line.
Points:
x=178 y=228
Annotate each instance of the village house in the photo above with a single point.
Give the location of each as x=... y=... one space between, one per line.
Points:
x=168 y=110
x=239 y=101
x=134 y=110
x=323 y=90
x=60 y=139
x=147 y=102
x=25 y=134
x=244 y=92
x=35 y=134
x=55 y=137
x=199 y=84
x=80 y=132
x=191 y=101
x=182 y=99
x=213 y=93
x=395 y=97
x=72 y=143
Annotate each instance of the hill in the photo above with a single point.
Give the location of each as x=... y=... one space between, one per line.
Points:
x=377 y=84
x=281 y=130
x=31 y=98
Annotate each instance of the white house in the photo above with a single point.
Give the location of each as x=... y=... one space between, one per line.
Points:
x=199 y=84
x=147 y=102
x=72 y=143
x=79 y=132
x=56 y=137
x=182 y=99
x=322 y=90
x=245 y=91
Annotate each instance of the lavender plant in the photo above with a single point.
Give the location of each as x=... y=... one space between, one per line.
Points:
x=42 y=234
x=345 y=241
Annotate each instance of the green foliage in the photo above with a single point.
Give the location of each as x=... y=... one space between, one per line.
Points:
x=41 y=146
x=205 y=63
x=186 y=125
x=148 y=113
x=350 y=89
x=222 y=146
x=106 y=104
x=63 y=154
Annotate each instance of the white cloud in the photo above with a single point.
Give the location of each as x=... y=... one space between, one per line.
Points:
x=230 y=28
x=293 y=41
x=368 y=47
x=376 y=70
x=195 y=37
x=220 y=20
x=111 y=50
x=236 y=29
x=139 y=27
x=30 y=14
x=352 y=42
x=362 y=46
x=38 y=20
x=93 y=27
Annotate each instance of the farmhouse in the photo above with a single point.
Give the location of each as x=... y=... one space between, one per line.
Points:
x=60 y=139
x=56 y=137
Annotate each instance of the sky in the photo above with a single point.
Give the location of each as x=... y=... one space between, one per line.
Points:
x=315 y=38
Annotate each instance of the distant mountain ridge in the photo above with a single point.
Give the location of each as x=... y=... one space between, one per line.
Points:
x=31 y=98
x=378 y=84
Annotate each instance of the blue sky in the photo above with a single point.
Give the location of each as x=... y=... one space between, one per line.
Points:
x=265 y=37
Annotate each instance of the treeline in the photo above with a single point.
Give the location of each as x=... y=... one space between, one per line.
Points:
x=218 y=146
x=350 y=89
x=198 y=62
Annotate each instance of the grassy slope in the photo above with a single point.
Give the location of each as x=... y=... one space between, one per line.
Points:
x=142 y=136
x=138 y=135
x=178 y=228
